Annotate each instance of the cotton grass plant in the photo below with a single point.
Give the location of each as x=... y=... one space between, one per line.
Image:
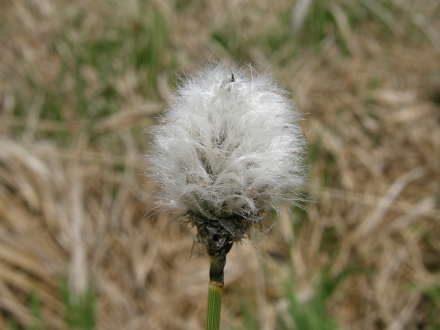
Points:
x=227 y=149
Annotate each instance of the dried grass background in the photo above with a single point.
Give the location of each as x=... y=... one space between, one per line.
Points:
x=81 y=80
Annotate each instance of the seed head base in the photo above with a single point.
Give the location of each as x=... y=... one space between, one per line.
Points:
x=218 y=235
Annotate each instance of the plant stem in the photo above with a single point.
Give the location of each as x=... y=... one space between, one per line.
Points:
x=217 y=265
x=214 y=306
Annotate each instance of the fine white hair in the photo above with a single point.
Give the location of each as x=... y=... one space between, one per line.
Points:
x=229 y=145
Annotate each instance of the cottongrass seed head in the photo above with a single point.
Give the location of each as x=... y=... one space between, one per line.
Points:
x=229 y=146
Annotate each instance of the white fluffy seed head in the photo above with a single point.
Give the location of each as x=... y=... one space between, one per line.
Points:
x=229 y=145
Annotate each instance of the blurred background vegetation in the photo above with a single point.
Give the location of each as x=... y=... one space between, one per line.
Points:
x=81 y=81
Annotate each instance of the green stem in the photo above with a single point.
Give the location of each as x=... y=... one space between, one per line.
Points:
x=217 y=264
x=214 y=306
